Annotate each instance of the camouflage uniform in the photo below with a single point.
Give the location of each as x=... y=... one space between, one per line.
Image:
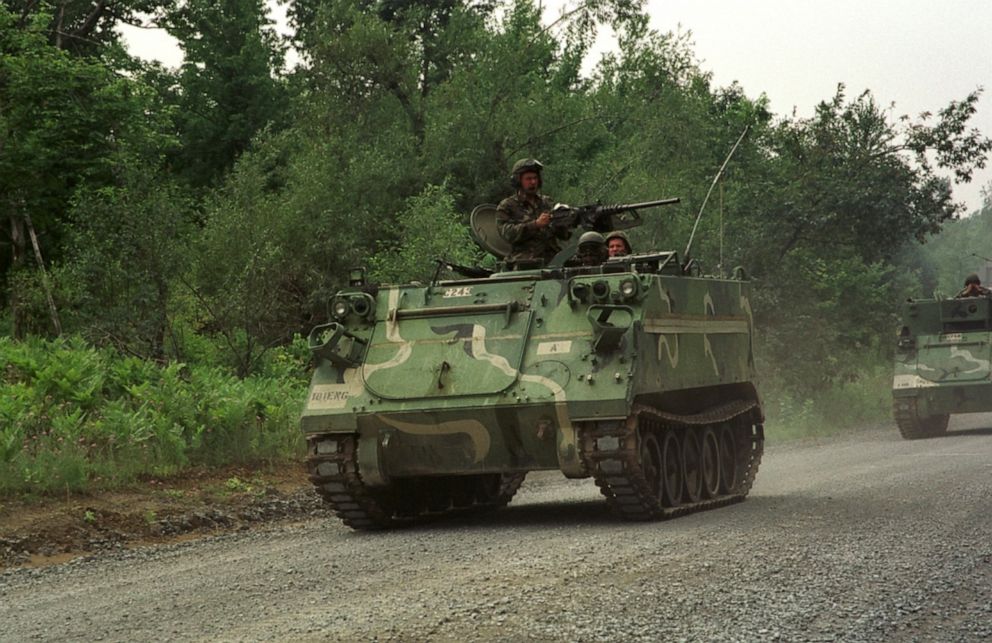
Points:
x=515 y=217
x=973 y=288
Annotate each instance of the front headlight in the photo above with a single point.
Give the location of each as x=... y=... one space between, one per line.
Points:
x=628 y=288
x=340 y=308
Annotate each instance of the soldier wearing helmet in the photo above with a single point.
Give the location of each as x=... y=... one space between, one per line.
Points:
x=973 y=287
x=618 y=244
x=524 y=219
x=592 y=249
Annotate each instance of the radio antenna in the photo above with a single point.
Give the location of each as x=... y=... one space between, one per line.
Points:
x=716 y=178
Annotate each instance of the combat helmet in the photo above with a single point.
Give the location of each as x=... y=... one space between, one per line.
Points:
x=591 y=237
x=620 y=234
x=525 y=165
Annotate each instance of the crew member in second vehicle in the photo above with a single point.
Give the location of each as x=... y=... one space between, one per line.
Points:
x=524 y=219
x=973 y=288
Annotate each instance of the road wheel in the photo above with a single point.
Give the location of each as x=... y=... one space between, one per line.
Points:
x=728 y=460
x=710 y=445
x=692 y=469
x=463 y=490
x=652 y=464
x=671 y=456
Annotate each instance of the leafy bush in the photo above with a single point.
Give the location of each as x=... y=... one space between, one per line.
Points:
x=75 y=417
x=431 y=229
x=855 y=403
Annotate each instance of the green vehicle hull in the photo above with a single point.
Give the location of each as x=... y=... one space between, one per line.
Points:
x=942 y=364
x=428 y=400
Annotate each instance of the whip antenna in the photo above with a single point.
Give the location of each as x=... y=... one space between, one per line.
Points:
x=716 y=178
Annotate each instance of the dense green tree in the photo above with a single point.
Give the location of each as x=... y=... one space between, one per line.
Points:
x=129 y=243
x=835 y=202
x=430 y=229
x=961 y=247
x=230 y=84
x=81 y=28
x=64 y=120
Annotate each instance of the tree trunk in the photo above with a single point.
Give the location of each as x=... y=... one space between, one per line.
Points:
x=18 y=243
x=59 y=20
x=162 y=321
x=44 y=277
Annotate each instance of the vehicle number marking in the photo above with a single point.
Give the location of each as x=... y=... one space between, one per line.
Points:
x=329 y=396
x=952 y=337
x=911 y=381
x=554 y=348
x=464 y=291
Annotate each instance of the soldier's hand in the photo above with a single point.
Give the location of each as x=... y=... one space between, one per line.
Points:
x=543 y=221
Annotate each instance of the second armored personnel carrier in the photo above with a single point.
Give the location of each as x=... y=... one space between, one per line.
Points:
x=439 y=398
x=942 y=363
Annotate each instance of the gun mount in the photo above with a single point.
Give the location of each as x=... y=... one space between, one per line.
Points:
x=599 y=217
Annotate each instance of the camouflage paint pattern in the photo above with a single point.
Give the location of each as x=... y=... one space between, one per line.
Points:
x=491 y=375
x=944 y=356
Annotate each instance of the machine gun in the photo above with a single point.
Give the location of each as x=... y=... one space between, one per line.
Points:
x=600 y=217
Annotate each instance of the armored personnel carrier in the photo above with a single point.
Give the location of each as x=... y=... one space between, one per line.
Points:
x=942 y=361
x=435 y=399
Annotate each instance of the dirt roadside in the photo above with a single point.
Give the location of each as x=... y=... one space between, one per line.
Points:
x=49 y=530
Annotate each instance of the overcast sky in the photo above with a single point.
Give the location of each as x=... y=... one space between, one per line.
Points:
x=918 y=54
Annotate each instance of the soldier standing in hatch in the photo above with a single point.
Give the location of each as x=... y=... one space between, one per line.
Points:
x=524 y=219
x=973 y=288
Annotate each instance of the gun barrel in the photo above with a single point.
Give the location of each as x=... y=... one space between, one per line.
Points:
x=640 y=206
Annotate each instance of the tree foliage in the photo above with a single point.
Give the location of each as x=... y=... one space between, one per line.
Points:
x=67 y=124
x=80 y=28
x=430 y=229
x=232 y=197
x=962 y=247
x=229 y=85
x=129 y=244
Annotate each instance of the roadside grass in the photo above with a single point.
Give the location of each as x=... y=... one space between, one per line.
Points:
x=76 y=418
x=844 y=407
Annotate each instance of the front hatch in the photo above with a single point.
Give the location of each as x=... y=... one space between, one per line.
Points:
x=446 y=351
x=954 y=357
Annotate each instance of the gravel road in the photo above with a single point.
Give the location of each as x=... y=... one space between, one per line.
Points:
x=862 y=537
